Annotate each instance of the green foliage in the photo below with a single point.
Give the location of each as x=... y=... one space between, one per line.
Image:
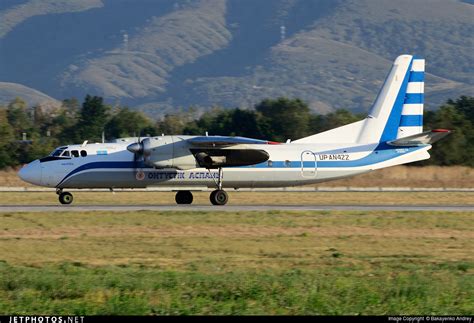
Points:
x=74 y=289
x=6 y=137
x=284 y=118
x=458 y=148
x=332 y=120
x=19 y=117
x=127 y=123
x=93 y=118
x=276 y=120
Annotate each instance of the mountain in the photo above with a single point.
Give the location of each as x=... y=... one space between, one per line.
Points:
x=9 y=91
x=160 y=56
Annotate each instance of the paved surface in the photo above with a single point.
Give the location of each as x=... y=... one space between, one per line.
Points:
x=233 y=208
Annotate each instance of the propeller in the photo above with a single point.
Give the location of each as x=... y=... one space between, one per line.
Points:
x=137 y=149
x=140 y=150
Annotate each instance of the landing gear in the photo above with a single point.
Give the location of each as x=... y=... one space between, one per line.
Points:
x=219 y=196
x=184 y=197
x=65 y=198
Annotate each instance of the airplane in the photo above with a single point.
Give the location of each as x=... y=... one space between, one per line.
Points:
x=392 y=134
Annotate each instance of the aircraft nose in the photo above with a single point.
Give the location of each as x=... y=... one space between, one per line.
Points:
x=31 y=173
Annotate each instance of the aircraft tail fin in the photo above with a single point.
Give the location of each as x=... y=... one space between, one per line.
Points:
x=396 y=113
x=398 y=110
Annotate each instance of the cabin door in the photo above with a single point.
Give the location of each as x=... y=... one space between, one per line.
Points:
x=308 y=164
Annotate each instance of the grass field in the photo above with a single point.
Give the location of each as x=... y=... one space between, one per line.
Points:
x=246 y=198
x=340 y=262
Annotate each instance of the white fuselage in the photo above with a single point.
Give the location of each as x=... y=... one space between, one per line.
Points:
x=111 y=165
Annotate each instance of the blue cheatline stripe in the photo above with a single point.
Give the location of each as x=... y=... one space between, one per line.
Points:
x=391 y=127
x=417 y=77
x=382 y=153
x=414 y=98
x=411 y=121
x=95 y=165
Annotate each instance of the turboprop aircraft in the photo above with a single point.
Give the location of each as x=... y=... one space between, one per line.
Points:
x=390 y=135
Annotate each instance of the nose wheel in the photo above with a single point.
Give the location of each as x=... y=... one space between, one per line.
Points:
x=64 y=197
x=219 y=196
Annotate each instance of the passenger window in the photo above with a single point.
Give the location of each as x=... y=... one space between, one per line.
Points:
x=287 y=163
x=75 y=153
x=65 y=153
x=270 y=163
x=83 y=153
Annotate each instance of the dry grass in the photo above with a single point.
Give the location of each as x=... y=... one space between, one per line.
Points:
x=405 y=176
x=216 y=242
x=400 y=176
x=246 y=198
x=149 y=263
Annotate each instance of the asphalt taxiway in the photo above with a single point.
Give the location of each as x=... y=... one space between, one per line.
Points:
x=232 y=208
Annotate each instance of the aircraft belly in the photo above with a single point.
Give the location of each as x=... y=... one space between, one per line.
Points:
x=232 y=177
x=196 y=177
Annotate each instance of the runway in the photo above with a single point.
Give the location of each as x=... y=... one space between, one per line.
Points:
x=233 y=208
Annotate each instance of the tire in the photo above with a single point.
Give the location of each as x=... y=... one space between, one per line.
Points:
x=219 y=197
x=65 y=198
x=184 y=197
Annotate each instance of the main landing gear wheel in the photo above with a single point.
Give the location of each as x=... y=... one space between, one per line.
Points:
x=219 y=197
x=65 y=198
x=184 y=197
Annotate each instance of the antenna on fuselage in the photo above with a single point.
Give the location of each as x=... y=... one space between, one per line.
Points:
x=103 y=136
x=84 y=143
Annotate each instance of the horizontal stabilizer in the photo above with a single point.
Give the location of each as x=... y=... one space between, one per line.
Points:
x=421 y=139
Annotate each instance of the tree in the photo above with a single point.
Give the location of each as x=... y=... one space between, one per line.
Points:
x=284 y=118
x=338 y=118
x=458 y=147
x=245 y=123
x=173 y=124
x=19 y=117
x=92 y=119
x=127 y=123
x=465 y=105
x=6 y=138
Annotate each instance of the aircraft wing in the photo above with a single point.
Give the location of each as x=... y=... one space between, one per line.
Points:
x=222 y=141
x=219 y=151
x=421 y=139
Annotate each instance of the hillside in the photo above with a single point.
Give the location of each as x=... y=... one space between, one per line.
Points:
x=8 y=92
x=165 y=55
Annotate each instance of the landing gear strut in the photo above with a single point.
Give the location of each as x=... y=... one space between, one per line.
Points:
x=64 y=197
x=184 y=197
x=219 y=196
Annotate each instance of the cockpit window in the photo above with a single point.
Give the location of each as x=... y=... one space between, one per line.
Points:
x=75 y=153
x=57 y=152
x=65 y=153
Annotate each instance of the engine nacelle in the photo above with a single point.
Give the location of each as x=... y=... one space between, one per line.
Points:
x=178 y=152
x=207 y=161
x=168 y=152
x=229 y=157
